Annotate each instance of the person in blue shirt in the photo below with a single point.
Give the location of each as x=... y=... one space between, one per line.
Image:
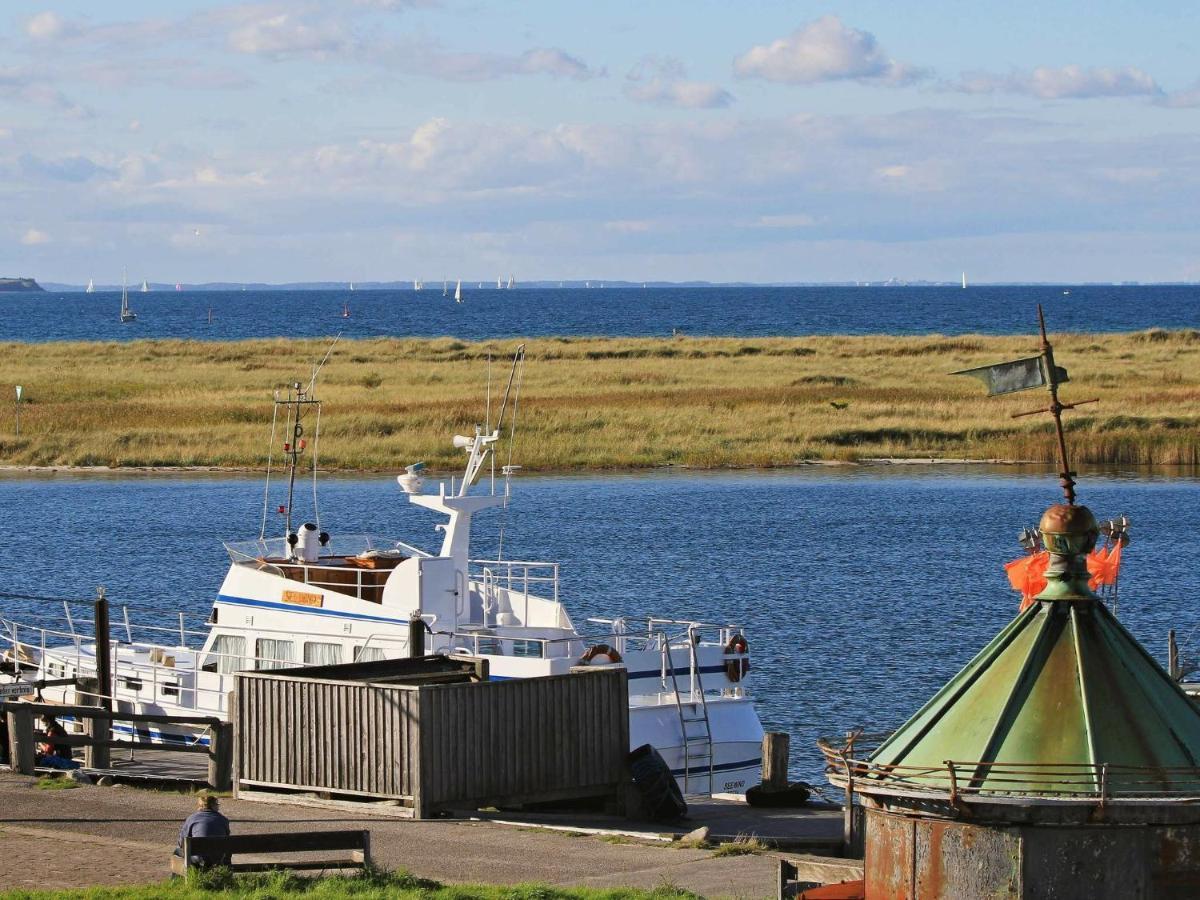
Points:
x=206 y=821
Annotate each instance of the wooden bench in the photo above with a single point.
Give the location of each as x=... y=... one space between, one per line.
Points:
x=357 y=842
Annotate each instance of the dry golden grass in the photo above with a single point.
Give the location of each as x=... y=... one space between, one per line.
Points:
x=602 y=403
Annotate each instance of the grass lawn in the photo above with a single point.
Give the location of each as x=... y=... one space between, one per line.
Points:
x=367 y=886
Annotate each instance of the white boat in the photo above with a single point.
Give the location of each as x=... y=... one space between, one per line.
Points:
x=179 y=285
x=964 y=281
x=418 y=285
x=510 y=282
x=91 y=288
x=499 y=282
x=127 y=315
x=352 y=285
x=458 y=292
x=145 y=287
x=445 y=288
x=308 y=598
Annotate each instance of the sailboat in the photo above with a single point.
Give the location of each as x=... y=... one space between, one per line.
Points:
x=458 y=292
x=127 y=315
x=445 y=288
x=352 y=285
x=964 y=281
x=210 y=315
x=145 y=287
x=346 y=310
x=91 y=288
x=499 y=282
x=510 y=282
x=179 y=285
x=418 y=285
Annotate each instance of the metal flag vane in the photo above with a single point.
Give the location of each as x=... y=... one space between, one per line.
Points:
x=1032 y=372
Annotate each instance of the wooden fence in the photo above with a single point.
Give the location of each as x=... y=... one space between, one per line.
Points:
x=97 y=739
x=435 y=746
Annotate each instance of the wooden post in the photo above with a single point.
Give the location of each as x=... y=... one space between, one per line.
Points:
x=416 y=637
x=775 y=746
x=235 y=738
x=22 y=755
x=1172 y=655
x=220 y=757
x=99 y=728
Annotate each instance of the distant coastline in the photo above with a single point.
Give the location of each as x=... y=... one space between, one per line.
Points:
x=593 y=284
x=20 y=285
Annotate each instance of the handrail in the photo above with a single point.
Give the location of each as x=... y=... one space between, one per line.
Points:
x=957 y=779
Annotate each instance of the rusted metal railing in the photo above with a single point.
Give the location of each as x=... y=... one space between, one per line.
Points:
x=848 y=765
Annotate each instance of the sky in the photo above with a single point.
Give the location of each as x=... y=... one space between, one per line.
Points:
x=757 y=140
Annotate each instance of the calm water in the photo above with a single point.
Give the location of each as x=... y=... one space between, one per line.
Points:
x=862 y=592
x=492 y=313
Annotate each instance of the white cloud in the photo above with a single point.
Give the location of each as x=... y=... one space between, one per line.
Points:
x=50 y=26
x=628 y=226
x=33 y=237
x=662 y=81
x=283 y=35
x=789 y=220
x=1064 y=82
x=825 y=50
x=1188 y=98
x=26 y=86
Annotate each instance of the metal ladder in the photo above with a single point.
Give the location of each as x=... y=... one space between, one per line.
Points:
x=697 y=746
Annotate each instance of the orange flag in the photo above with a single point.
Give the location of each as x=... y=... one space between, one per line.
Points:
x=1028 y=575
x=1104 y=565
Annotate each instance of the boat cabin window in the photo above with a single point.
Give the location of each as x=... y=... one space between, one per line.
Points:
x=228 y=654
x=367 y=654
x=273 y=653
x=317 y=654
x=132 y=684
x=169 y=689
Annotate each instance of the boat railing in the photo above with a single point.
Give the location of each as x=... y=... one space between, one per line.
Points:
x=517 y=575
x=261 y=550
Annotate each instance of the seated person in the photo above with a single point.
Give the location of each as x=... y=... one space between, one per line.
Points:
x=206 y=821
x=51 y=753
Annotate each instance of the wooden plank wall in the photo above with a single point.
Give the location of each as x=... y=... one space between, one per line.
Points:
x=524 y=740
x=436 y=745
x=327 y=735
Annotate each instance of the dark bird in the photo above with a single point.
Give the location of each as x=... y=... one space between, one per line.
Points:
x=837 y=405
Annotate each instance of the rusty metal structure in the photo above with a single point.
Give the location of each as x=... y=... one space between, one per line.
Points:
x=1062 y=761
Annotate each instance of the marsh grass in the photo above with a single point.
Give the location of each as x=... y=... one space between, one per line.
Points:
x=602 y=403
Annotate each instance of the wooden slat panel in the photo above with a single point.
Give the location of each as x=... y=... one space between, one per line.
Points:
x=483 y=742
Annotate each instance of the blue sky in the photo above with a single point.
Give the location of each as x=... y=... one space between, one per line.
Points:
x=757 y=140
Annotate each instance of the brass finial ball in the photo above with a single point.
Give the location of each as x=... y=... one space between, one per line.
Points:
x=1069 y=529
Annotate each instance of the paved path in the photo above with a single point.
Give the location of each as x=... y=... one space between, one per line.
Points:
x=123 y=835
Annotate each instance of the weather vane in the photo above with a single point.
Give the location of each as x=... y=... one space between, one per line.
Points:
x=1032 y=372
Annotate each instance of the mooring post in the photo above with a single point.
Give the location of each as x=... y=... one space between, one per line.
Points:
x=99 y=728
x=220 y=757
x=775 y=747
x=416 y=637
x=22 y=755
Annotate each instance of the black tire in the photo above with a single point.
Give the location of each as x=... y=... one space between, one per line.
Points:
x=662 y=801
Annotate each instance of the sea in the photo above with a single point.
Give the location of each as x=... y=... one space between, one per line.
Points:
x=861 y=590
x=489 y=312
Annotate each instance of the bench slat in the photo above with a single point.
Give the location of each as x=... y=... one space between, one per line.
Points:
x=296 y=842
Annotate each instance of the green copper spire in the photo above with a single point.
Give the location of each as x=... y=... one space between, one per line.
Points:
x=1063 y=683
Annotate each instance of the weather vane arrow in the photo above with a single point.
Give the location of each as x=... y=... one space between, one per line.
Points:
x=1033 y=372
